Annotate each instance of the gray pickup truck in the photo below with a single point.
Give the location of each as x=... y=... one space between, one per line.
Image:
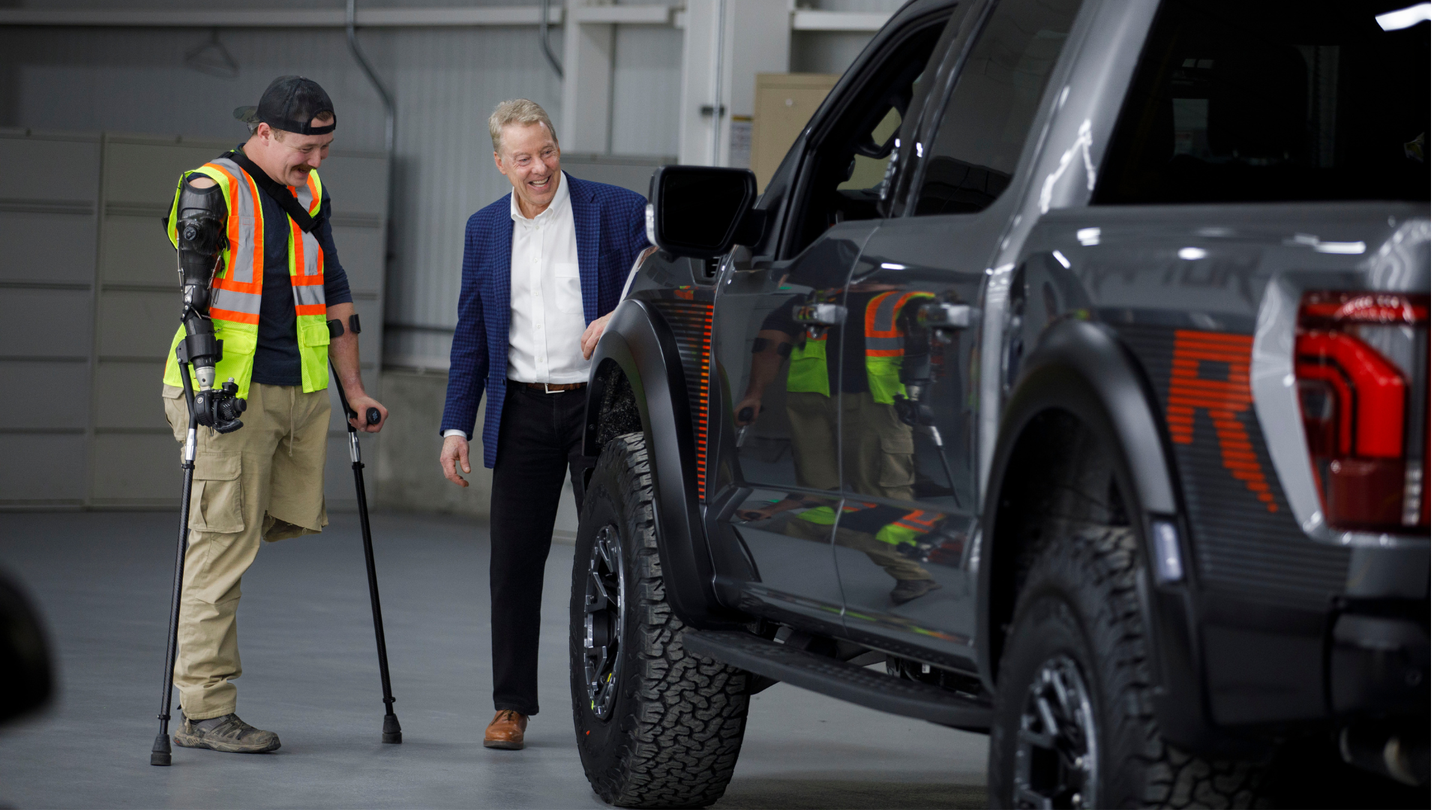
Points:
x=1068 y=383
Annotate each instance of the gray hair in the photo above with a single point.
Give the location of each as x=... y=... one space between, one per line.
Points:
x=520 y=111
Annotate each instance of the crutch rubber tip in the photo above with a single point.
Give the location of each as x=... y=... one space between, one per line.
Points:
x=391 y=732
x=160 y=752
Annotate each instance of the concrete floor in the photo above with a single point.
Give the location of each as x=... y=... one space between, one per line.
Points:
x=102 y=581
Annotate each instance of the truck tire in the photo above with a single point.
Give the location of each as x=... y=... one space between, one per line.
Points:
x=656 y=726
x=1075 y=662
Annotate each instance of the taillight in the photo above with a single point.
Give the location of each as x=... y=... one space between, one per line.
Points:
x=1361 y=363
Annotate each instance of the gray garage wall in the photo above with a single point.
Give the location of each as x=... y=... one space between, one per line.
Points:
x=89 y=302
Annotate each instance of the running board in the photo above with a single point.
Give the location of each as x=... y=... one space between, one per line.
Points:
x=841 y=680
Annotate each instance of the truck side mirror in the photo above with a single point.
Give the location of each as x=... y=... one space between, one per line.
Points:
x=701 y=211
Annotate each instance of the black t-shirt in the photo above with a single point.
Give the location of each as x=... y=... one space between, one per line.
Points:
x=846 y=367
x=277 y=350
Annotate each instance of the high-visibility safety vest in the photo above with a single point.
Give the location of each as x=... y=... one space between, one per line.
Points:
x=240 y=278
x=884 y=350
x=909 y=527
x=904 y=530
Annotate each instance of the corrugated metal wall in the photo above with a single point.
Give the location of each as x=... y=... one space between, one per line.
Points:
x=445 y=82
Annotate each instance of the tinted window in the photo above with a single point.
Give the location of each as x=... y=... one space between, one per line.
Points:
x=1244 y=101
x=975 y=150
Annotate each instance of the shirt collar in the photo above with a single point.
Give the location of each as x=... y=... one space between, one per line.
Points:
x=560 y=202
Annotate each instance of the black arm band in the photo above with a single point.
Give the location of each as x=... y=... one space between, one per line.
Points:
x=337 y=328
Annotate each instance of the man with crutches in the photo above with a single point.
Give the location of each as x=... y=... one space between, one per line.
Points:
x=266 y=309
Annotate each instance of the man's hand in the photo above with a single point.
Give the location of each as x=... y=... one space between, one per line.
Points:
x=747 y=410
x=591 y=338
x=456 y=452
x=362 y=405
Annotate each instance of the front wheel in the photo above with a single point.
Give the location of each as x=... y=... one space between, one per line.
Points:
x=656 y=726
x=1073 y=721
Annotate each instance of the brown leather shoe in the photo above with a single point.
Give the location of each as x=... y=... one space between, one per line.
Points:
x=506 y=730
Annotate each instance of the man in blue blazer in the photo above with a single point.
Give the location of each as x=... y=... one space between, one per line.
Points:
x=544 y=267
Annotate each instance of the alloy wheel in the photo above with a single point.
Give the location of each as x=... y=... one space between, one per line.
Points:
x=1056 y=746
x=604 y=621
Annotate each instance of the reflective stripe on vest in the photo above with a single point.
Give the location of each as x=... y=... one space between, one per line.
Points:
x=307 y=262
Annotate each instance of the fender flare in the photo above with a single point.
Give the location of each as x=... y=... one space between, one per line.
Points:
x=640 y=344
x=1083 y=368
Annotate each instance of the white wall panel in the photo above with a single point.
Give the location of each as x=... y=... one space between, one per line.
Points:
x=445 y=82
x=645 y=115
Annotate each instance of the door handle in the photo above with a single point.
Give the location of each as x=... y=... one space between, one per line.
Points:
x=817 y=314
x=947 y=316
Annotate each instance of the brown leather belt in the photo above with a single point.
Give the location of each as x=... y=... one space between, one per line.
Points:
x=552 y=388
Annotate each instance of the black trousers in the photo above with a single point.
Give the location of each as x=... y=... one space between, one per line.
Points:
x=539 y=440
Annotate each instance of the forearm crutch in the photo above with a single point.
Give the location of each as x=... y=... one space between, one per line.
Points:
x=160 y=751
x=390 y=733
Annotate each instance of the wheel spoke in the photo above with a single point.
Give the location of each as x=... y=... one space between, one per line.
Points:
x=1037 y=739
x=600 y=588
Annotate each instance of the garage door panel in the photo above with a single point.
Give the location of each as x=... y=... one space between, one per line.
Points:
x=136 y=251
x=38 y=467
x=146 y=173
x=54 y=170
x=133 y=468
x=129 y=395
x=47 y=247
x=138 y=324
x=44 y=395
x=45 y=323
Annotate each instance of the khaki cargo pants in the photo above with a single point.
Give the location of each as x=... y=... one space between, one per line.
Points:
x=263 y=481
x=878 y=452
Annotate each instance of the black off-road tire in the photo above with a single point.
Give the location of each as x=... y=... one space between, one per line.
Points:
x=1079 y=603
x=673 y=731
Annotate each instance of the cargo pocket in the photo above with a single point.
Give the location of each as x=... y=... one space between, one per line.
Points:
x=217 y=501
x=897 y=461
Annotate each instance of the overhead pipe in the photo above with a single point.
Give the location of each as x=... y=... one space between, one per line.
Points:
x=545 y=39
x=389 y=129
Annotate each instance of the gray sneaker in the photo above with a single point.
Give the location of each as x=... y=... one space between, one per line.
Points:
x=231 y=735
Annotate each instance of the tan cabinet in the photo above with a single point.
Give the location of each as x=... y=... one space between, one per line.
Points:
x=784 y=103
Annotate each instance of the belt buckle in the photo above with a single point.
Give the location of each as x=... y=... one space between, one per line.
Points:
x=558 y=390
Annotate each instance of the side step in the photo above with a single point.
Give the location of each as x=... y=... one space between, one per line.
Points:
x=841 y=680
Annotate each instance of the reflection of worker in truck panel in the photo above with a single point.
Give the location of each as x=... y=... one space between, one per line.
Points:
x=877 y=448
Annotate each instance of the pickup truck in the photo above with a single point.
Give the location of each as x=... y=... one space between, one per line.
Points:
x=1067 y=383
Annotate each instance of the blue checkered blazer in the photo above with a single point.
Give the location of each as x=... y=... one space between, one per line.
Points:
x=609 y=234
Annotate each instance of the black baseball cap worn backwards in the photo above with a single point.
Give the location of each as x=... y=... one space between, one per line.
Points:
x=290 y=103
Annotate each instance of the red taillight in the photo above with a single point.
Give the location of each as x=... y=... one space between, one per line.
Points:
x=1361 y=362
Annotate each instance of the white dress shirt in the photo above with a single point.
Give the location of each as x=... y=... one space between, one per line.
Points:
x=547 y=314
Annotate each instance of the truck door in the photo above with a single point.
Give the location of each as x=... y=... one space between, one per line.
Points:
x=775 y=483
x=905 y=545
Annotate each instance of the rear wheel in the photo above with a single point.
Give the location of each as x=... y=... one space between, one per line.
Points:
x=1073 y=724
x=656 y=726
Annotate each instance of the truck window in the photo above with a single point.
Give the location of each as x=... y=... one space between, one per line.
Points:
x=1244 y=101
x=851 y=153
x=973 y=154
